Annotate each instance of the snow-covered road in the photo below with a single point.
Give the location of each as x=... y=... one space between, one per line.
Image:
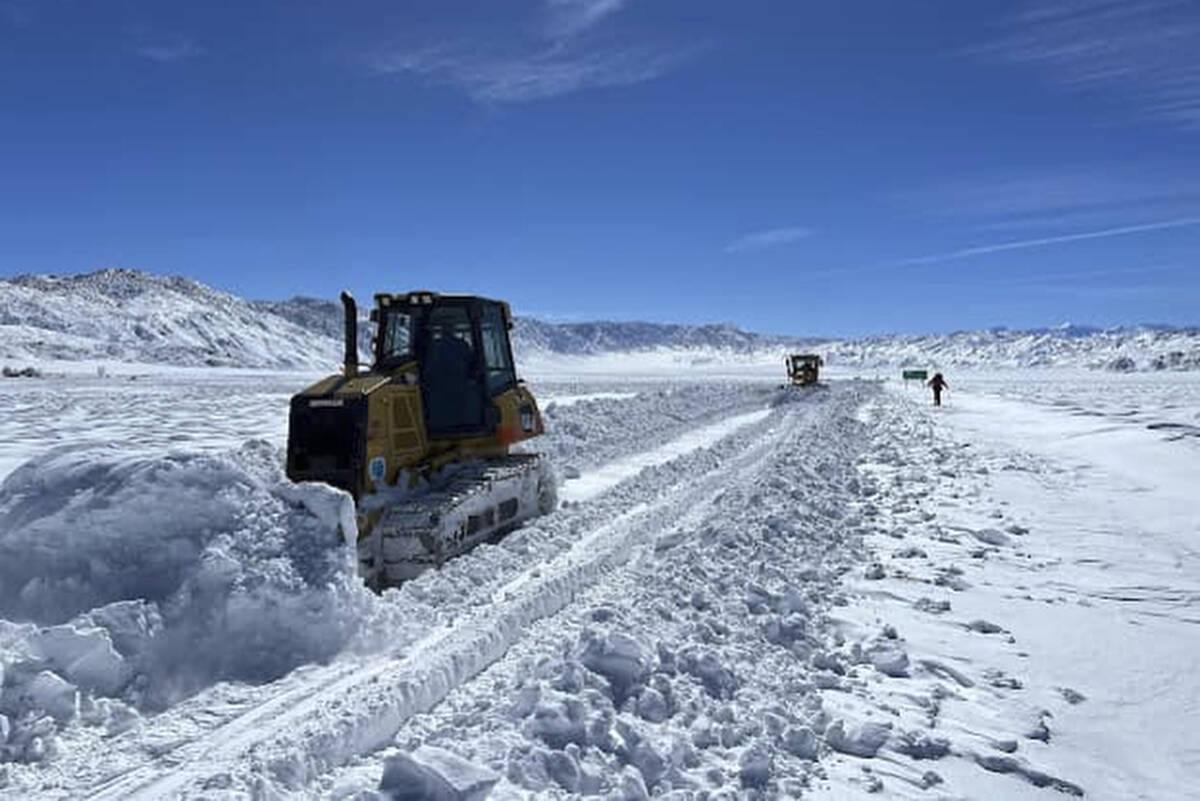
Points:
x=750 y=594
x=1043 y=570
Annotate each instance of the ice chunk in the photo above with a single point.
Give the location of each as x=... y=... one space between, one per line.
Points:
x=754 y=766
x=889 y=659
x=51 y=694
x=758 y=600
x=864 y=740
x=85 y=656
x=930 y=605
x=617 y=657
x=115 y=716
x=632 y=787
x=991 y=536
x=434 y=774
x=333 y=507
x=526 y=701
x=132 y=625
x=801 y=742
x=920 y=745
x=1072 y=696
x=785 y=629
x=719 y=681
x=560 y=722
x=984 y=626
x=652 y=706
x=649 y=761
x=564 y=770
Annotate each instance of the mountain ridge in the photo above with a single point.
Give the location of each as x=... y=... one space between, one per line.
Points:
x=130 y=315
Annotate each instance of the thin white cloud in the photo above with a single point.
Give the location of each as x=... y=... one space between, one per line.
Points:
x=1025 y=244
x=543 y=73
x=761 y=240
x=1144 y=48
x=1050 y=192
x=1057 y=201
x=566 y=18
x=163 y=46
x=1071 y=278
x=169 y=51
x=548 y=57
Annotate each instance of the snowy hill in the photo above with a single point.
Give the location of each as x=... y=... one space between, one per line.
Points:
x=1124 y=349
x=127 y=315
x=322 y=317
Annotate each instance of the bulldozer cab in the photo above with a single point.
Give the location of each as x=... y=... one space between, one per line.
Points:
x=803 y=368
x=461 y=347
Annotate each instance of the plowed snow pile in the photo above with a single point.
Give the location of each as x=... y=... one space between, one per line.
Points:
x=142 y=580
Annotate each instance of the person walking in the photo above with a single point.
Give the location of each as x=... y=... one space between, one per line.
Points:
x=938 y=384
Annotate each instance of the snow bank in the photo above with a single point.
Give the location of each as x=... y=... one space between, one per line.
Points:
x=145 y=579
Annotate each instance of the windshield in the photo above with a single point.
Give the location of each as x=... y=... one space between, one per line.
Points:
x=395 y=337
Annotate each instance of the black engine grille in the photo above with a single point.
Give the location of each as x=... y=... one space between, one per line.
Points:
x=327 y=440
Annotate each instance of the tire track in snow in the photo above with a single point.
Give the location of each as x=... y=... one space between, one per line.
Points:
x=356 y=709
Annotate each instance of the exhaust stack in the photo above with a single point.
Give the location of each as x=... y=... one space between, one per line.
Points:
x=350 y=308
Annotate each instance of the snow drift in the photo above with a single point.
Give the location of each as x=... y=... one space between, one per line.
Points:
x=145 y=579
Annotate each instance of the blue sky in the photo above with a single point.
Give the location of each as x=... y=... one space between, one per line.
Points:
x=834 y=167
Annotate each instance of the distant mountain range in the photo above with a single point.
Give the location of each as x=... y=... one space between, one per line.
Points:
x=132 y=316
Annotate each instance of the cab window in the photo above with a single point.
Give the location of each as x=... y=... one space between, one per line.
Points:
x=396 y=346
x=496 y=357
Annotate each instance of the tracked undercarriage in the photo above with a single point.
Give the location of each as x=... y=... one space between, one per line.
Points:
x=480 y=501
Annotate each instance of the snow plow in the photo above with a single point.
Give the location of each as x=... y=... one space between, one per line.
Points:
x=422 y=438
x=803 y=368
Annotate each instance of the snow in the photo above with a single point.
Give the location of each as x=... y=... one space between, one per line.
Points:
x=571 y=400
x=753 y=593
x=432 y=774
x=588 y=485
x=126 y=315
x=1054 y=655
x=146 y=579
x=146 y=411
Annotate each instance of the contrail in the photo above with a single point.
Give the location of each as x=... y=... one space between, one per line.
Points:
x=1051 y=240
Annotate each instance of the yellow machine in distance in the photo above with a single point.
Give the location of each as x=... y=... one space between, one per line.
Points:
x=803 y=368
x=422 y=438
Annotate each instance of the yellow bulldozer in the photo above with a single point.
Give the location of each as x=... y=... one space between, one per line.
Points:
x=803 y=369
x=422 y=438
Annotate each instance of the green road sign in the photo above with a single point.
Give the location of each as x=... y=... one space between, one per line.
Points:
x=916 y=375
